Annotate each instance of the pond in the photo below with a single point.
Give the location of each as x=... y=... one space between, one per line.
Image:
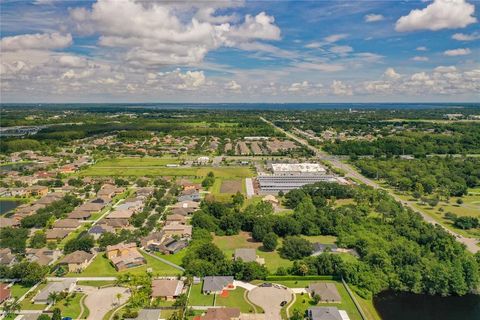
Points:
x=400 y=306
x=8 y=205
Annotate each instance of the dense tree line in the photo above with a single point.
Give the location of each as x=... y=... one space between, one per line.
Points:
x=29 y=273
x=448 y=176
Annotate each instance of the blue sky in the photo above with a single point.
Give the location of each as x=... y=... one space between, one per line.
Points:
x=239 y=51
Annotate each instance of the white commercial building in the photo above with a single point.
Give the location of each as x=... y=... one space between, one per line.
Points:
x=295 y=168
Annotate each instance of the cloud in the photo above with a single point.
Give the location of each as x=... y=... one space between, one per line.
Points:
x=233 y=86
x=340 y=89
x=390 y=73
x=37 y=41
x=441 y=14
x=335 y=37
x=466 y=37
x=420 y=58
x=457 y=52
x=313 y=45
x=422 y=48
x=171 y=33
x=373 y=17
x=320 y=66
x=191 y=80
x=341 y=49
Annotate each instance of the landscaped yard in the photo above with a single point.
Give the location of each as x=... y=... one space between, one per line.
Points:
x=174 y=258
x=198 y=299
x=235 y=298
x=321 y=239
x=70 y=306
x=303 y=302
x=101 y=267
x=92 y=283
x=18 y=290
x=26 y=304
x=228 y=244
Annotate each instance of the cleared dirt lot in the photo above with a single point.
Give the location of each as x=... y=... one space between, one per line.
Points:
x=231 y=186
x=269 y=298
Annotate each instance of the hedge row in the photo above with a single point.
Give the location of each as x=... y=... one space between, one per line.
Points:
x=299 y=278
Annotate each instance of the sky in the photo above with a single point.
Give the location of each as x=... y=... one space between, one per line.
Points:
x=239 y=51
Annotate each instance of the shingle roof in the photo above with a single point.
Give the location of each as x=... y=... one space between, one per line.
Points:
x=246 y=254
x=77 y=257
x=216 y=283
x=324 y=313
x=166 y=288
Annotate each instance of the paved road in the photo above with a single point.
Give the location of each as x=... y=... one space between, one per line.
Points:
x=269 y=299
x=350 y=172
x=101 y=301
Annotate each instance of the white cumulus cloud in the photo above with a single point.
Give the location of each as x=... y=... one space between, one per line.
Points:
x=466 y=37
x=457 y=52
x=373 y=17
x=441 y=14
x=37 y=41
x=420 y=58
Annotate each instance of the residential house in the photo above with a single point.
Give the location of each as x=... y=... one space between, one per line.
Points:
x=66 y=285
x=145 y=192
x=190 y=197
x=175 y=218
x=116 y=223
x=187 y=204
x=8 y=222
x=172 y=246
x=221 y=314
x=97 y=230
x=248 y=255
x=109 y=191
x=149 y=314
x=70 y=224
x=167 y=289
x=216 y=284
x=6 y=257
x=77 y=261
x=327 y=291
x=43 y=256
x=326 y=313
x=57 y=234
x=50 y=198
x=182 y=211
x=180 y=230
x=124 y=256
x=319 y=248
x=153 y=241
x=38 y=190
x=5 y=292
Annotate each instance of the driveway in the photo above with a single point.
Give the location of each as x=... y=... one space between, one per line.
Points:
x=100 y=301
x=269 y=298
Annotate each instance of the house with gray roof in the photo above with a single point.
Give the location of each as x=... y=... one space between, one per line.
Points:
x=324 y=313
x=66 y=285
x=326 y=290
x=216 y=284
x=248 y=255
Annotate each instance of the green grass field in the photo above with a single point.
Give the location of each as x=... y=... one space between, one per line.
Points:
x=101 y=267
x=138 y=162
x=18 y=290
x=27 y=304
x=321 y=239
x=228 y=244
x=197 y=298
x=175 y=258
x=70 y=306
x=92 y=283
x=236 y=299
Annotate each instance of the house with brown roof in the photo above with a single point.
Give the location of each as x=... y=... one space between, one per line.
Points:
x=5 y=292
x=176 y=218
x=38 y=190
x=57 y=234
x=174 y=229
x=116 y=223
x=43 y=256
x=167 y=289
x=50 y=198
x=70 y=224
x=182 y=211
x=124 y=256
x=187 y=204
x=7 y=258
x=8 y=222
x=222 y=314
x=153 y=240
x=77 y=261
x=79 y=214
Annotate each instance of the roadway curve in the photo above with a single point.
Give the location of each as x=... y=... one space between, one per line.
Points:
x=350 y=172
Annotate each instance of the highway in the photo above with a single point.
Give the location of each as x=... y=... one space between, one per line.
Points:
x=350 y=172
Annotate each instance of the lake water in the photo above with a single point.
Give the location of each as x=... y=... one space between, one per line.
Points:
x=403 y=306
x=6 y=206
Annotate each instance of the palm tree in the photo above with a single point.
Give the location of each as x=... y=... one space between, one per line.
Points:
x=118 y=296
x=11 y=307
x=52 y=297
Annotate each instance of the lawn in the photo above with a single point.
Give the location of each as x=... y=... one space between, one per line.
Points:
x=321 y=239
x=197 y=298
x=367 y=306
x=174 y=258
x=303 y=302
x=18 y=290
x=139 y=170
x=236 y=298
x=70 y=306
x=26 y=304
x=228 y=244
x=93 y=283
x=138 y=162
x=101 y=267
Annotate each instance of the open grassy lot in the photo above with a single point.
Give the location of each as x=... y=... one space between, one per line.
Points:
x=198 y=299
x=138 y=162
x=101 y=267
x=232 y=186
x=175 y=258
x=136 y=169
x=70 y=306
x=18 y=290
x=303 y=302
x=236 y=298
x=228 y=244
x=321 y=239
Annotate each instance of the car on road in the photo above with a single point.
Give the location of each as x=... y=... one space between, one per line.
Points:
x=283 y=303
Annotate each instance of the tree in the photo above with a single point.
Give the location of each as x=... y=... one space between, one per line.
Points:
x=83 y=242
x=238 y=199
x=459 y=201
x=39 y=240
x=57 y=314
x=11 y=307
x=118 y=296
x=316 y=299
x=270 y=241
x=44 y=317
x=52 y=297
x=295 y=247
x=296 y=315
